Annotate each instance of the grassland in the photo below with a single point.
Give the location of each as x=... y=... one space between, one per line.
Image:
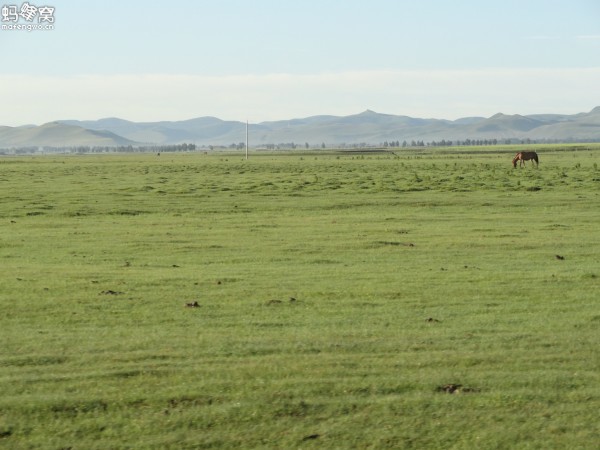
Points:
x=342 y=298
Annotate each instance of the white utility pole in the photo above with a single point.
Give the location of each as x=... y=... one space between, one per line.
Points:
x=246 y=138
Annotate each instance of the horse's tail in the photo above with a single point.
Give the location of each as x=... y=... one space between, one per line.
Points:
x=535 y=156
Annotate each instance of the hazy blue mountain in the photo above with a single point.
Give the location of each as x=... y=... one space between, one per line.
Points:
x=55 y=134
x=502 y=126
x=468 y=120
x=366 y=127
x=584 y=127
x=193 y=130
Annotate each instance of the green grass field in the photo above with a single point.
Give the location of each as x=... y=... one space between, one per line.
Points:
x=342 y=298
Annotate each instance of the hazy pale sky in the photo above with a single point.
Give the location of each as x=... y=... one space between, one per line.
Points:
x=275 y=59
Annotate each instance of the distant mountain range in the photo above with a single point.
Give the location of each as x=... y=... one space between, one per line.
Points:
x=367 y=127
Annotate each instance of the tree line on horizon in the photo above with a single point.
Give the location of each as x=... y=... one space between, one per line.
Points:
x=190 y=147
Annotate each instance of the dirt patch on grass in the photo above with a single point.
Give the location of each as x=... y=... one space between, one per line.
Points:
x=455 y=389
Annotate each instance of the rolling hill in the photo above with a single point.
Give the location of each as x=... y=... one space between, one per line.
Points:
x=56 y=134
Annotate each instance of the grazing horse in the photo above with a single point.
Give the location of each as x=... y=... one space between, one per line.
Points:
x=525 y=156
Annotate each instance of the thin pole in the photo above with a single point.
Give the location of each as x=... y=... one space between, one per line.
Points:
x=246 y=139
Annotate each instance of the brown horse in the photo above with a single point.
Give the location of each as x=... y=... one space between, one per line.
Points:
x=525 y=156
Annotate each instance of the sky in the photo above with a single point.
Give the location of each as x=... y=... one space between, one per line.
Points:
x=261 y=60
